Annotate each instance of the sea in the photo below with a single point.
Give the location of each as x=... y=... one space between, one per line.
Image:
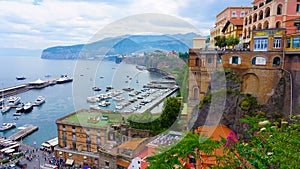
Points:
x=63 y=99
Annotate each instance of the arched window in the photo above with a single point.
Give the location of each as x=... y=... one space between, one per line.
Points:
x=197 y=62
x=249 y=32
x=267 y=12
x=278 y=24
x=261 y=15
x=195 y=93
x=266 y=25
x=245 y=33
x=259 y=26
x=279 y=9
x=254 y=17
x=253 y=27
x=276 y=61
x=250 y=19
x=246 y=21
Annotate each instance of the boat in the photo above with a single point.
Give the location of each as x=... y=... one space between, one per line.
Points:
x=96 y=88
x=13 y=101
x=95 y=107
x=28 y=107
x=92 y=99
x=2 y=101
x=109 y=87
x=64 y=79
x=17 y=114
x=118 y=98
x=20 y=108
x=39 y=100
x=20 y=78
x=7 y=126
x=5 y=109
x=132 y=100
x=104 y=103
x=128 y=89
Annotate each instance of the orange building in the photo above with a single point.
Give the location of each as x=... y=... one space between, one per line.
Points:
x=235 y=13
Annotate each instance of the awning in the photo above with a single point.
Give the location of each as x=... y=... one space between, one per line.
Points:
x=9 y=151
x=123 y=163
x=46 y=145
x=69 y=162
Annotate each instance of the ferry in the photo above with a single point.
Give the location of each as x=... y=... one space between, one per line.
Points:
x=13 y=101
x=39 y=100
x=64 y=79
x=6 y=126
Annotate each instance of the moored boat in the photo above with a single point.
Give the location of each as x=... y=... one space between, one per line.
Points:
x=104 y=103
x=6 y=126
x=95 y=107
x=12 y=101
x=28 y=107
x=64 y=79
x=20 y=107
x=5 y=109
x=39 y=100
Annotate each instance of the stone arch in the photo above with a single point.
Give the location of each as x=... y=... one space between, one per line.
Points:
x=250 y=19
x=266 y=25
x=197 y=62
x=253 y=27
x=250 y=83
x=267 y=12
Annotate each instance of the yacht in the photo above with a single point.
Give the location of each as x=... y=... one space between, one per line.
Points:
x=95 y=107
x=5 y=109
x=28 y=107
x=6 y=126
x=39 y=100
x=64 y=79
x=118 y=98
x=104 y=103
x=13 y=101
x=20 y=107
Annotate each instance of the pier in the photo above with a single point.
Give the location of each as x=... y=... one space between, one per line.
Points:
x=23 y=132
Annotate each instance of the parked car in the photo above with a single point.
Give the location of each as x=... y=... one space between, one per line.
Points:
x=21 y=164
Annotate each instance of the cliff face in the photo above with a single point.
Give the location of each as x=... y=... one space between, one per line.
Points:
x=237 y=105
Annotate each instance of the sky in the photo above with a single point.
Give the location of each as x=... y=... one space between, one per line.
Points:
x=40 y=24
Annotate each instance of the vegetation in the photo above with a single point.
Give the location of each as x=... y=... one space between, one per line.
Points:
x=222 y=41
x=147 y=121
x=182 y=81
x=232 y=41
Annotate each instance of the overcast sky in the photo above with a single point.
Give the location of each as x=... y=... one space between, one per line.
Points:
x=40 y=24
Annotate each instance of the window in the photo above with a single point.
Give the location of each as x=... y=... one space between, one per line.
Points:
x=74 y=137
x=298 y=8
x=219 y=60
x=242 y=14
x=260 y=44
x=235 y=60
x=296 y=42
x=279 y=9
x=209 y=60
x=276 y=61
x=288 y=42
x=259 y=60
x=233 y=14
x=197 y=62
x=277 y=43
x=74 y=145
x=88 y=147
x=106 y=163
x=65 y=143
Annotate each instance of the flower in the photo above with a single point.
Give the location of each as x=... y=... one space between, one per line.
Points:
x=245 y=125
x=263 y=123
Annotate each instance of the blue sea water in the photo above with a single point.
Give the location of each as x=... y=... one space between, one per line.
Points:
x=63 y=99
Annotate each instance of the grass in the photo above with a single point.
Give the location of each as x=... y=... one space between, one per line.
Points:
x=82 y=118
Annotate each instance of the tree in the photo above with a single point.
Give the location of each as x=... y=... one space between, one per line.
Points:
x=232 y=41
x=170 y=112
x=220 y=41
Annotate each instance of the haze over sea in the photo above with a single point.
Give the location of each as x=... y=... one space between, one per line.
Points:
x=59 y=98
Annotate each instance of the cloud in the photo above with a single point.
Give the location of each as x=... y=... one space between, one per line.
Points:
x=39 y=24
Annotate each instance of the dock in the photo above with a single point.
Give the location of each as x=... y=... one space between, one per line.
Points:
x=23 y=132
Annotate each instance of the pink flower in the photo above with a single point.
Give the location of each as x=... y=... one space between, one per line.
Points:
x=245 y=125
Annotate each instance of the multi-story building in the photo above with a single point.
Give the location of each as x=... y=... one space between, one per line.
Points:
x=270 y=14
x=229 y=13
x=92 y=138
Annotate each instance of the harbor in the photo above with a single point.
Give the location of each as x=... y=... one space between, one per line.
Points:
x=24 y=131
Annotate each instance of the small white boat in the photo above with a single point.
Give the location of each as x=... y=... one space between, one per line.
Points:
x=118 y=98
x=12 y=101
x=95 y=107
x=28 y=107
x=6 y=126
x=5 y=109
x=20 y=107
x=104 y=103
x=39 y=100
x=92 y=99
x=17 y=114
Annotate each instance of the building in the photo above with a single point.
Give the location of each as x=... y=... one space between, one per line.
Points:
x=229 y=13
x=270 y=14
x=91 y=138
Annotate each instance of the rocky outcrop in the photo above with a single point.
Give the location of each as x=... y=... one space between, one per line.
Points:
x=227 y=105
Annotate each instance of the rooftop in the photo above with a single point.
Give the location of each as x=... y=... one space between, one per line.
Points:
x=92 y=118
x=132 y=144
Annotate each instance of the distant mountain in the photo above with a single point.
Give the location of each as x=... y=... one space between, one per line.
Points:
x=123 y=45
x=19 y=52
